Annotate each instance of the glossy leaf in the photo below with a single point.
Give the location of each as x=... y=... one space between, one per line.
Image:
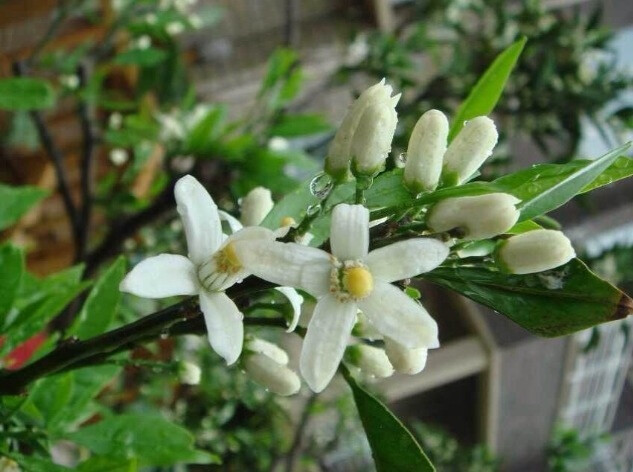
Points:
x=49 y=396
x=393 y=447
x=552 y=303
x=487 y=91
x=11 y=270
x=568 y=187
x=151 y=439
x=16 y=201
x=101 y=305
x=25 y=93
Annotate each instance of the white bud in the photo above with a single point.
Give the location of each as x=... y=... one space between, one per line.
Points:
x=371 y=360
x=364 y=329
x=174 y=28
x=70 y=81
x=478 y=217
x=116 y=120
x=405 y=360
x=277 y=143
x=143 y=42
x=425 y=152
x=470 y=148
x=271 y=375
x=261 y=346
x=189 y=373
x=118 y=156
x=534 y=251
x=339 y=155
x=372 y=140
x=195 y=20
x=255 y=206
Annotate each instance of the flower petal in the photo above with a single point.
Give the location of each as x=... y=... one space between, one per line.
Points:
x=165 y=275
x=326 y=340
x=406 y=259
x=287 y=264
x=233 y=222
x=224 y=324
x=200 y=219
x=397 y=316
x=349 y=236
x=295 y=301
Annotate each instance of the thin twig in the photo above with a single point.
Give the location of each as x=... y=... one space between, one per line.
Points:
x=290 y=27
x=61 y=13
x=56 y=158
x=303 y=423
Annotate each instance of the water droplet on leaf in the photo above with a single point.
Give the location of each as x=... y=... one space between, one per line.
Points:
x=321 y=185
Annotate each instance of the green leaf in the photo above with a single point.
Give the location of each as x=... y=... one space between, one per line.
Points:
x=101 y=305
x=393 y=447
x=487 y=91
x=25 y=93
x=141 y=57
x=107 y=464
x=290 y=126
x=206 y=131
x=11 y=270
x=553 y=303
x=16 y=201
x=33 y=463
x=49 y=396
x=150 y=439
x=565 y=189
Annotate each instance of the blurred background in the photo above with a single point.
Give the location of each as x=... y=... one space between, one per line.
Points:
x=246 y=93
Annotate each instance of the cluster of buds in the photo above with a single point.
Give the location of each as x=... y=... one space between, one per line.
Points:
x=267 y=364
x=363 y=140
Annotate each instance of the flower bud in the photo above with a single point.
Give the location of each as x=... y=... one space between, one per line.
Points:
x=405 y=360
x=468 y=151
x=372 y=141
x=425 y=152
x=534 y=251
x=189 y=373
x=371 y=360
x=478 y=217
x=271 y=375
x=255 y=206
x=261 y=346
x=340 y=153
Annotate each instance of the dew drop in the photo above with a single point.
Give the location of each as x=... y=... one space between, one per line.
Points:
x=401 y=160
x=313 y=210
x=321 y=185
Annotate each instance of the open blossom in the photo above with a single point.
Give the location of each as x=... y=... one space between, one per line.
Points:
x=211 y=267
x=347 y=280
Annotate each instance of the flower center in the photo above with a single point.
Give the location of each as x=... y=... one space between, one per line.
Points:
x=226 y=260
x=350 y=280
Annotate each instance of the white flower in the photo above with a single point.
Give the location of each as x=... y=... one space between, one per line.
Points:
x=70 y=81
x=118 y=156
x=211 y=267
x=405 y=360
x=468 y=151
x=348 y=280
x=115 y=120
x=189 y=373
x=175 y=28
x=425 y=152
x=277 y=143
x=477 y=217
x=143 y=42
x=266 y=364
x=534 y=251
x=255 y=206
x=340 y=153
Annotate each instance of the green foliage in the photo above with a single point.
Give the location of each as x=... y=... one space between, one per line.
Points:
x=486 y=93
x=102 y=303
x=568 y=451
x=16 y=201
x=25 y=93
x=12 y=268
x=141 y=57
x=299 y=125
x=552 y=303
x=151 y=439
x=393 y=446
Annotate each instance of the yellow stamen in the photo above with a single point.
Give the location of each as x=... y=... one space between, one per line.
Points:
x=227 y=260
x=288 y=221
x=358 y=281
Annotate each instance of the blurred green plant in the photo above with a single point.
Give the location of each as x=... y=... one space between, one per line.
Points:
x=569 y=451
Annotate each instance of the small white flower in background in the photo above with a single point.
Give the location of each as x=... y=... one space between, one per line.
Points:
x=255 y=206
x=70 y=81
x=370 y=360
x=378 y=97
x=277 y=143
x=150 y=18
x=174 y=28
x=468 y=151
x=211 y=267
x=477 y=217
x=346 y=281
x=143 y=42
x=115 y=121
x=405 y=360
x=266 y=363
x=189 y=373
x=195 y=21
x=118 y=156
x=425 y=152
x=357 y=51
x=534 y=251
